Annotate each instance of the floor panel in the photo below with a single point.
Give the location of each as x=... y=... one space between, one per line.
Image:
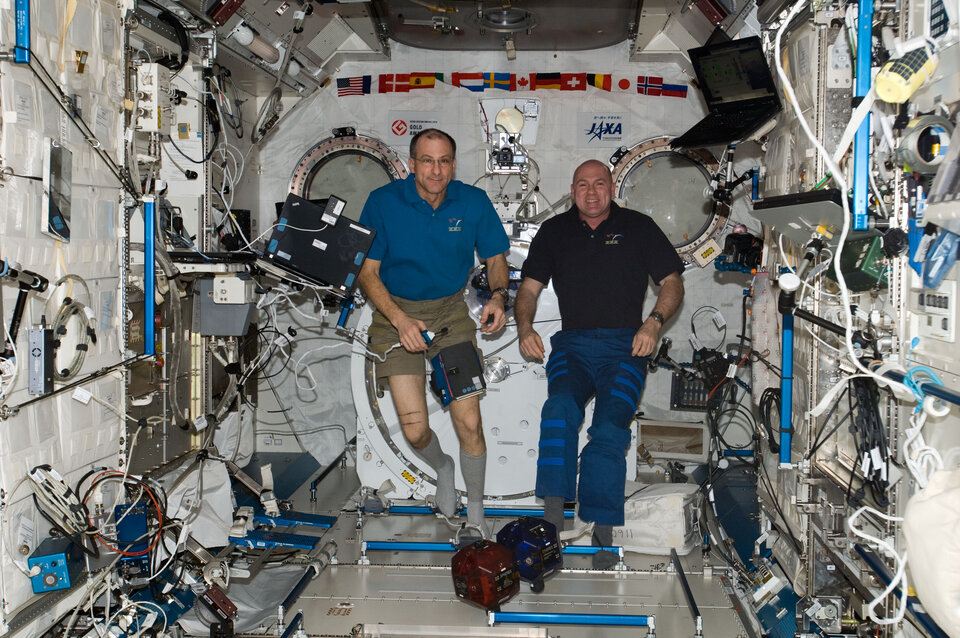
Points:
x=412 y=592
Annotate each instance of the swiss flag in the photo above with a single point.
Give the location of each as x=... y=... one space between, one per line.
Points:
x=573 y=81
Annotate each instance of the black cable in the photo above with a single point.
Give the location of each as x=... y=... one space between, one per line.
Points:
x=213 y=147
x=817 y=440
x=693 y=328
x=75 y=538
x=183 y=39
x=49 y=83
x=770 y=399
x=776 y=505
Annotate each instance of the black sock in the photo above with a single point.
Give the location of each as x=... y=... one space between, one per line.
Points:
x=603 y=537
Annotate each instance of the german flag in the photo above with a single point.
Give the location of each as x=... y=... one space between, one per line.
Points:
x=546 y=81
x=602 y=81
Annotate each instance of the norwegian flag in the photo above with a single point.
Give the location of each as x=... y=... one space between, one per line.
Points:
x=358 y=85
x=649 y=85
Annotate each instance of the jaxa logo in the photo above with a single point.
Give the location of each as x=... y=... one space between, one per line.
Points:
x=454 y=226
x=600 y=129
x=613 y=239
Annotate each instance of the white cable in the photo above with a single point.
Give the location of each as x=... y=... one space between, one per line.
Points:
x=293 y=306
x=899 y=578
x=298 y=365
x=5 y=526
x=841 y=183
x=922 y=460
x=9 y=368
x=876 y=193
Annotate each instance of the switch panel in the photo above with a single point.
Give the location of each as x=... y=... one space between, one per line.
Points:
x=154 y=98
x=935 y=311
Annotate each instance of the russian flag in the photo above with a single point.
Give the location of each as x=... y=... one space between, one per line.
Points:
x=674 y=90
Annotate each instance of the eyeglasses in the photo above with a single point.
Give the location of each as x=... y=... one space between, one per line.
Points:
x=443 y=162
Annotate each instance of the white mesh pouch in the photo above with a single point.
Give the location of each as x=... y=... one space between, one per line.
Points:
x=931 y=528
x=658 y=518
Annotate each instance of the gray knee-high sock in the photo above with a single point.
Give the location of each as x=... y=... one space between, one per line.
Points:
x=553 y=511
x=474 y=468
x=443 y=465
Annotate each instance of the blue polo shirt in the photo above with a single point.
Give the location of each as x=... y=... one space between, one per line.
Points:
x=426 y=253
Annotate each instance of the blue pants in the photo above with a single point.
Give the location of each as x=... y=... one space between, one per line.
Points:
x=585 y=363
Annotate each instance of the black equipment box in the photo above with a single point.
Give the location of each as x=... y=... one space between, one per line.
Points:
x=484 y=573
x=535 y=546
x=457 y=373
x=316 y=242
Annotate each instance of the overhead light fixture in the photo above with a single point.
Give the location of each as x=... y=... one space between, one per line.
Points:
x=506 y=20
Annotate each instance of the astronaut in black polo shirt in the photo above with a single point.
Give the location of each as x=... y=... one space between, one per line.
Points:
x=600 y=257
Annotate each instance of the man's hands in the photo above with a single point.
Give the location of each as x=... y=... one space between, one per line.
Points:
x=493 y=317
x=409 y=331
x=531 y=346
x=646 y=338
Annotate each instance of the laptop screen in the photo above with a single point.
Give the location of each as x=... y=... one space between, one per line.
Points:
x=734 y=71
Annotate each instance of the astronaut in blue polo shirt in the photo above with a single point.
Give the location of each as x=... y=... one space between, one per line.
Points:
x=428 y=228
x=599 y=257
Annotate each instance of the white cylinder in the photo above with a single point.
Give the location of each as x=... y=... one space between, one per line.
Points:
x=245 y=36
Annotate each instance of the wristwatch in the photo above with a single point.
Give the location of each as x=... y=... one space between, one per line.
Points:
x=503 y=292
x=656 y=316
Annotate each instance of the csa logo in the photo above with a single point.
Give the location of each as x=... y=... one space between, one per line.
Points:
x=454 y=225
x=613 y=239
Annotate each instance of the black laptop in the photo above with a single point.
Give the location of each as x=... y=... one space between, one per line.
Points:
x=314 y=241
x=736 y=82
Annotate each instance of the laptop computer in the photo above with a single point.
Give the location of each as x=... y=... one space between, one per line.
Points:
x=316 y=242
x=797 y=216
x=736 y=82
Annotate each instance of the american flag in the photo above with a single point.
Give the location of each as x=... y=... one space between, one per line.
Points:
x=358 y=85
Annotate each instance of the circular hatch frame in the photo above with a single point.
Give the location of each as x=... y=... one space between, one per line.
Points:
x=344 y=141
x=625 y=160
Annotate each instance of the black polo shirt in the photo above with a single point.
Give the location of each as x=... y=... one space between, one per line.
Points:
x=600 y=276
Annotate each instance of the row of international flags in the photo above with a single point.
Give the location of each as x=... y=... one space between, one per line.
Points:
x=480 y=82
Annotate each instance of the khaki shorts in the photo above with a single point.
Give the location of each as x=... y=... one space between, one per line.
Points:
x=447 y=312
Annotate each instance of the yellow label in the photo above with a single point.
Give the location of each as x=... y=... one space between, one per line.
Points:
x=410 y=477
